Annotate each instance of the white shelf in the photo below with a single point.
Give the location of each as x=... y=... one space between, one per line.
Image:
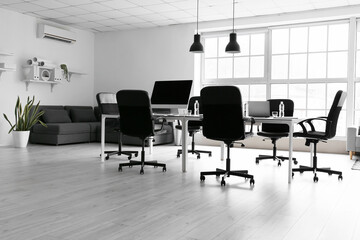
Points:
x=6 y=54
x=52 y=83
x=75 y=73
x=7 y=69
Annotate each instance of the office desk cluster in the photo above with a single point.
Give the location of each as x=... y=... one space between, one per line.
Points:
x=290 y=121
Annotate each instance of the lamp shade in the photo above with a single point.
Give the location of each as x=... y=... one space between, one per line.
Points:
x=197 y=47
x=233 y=46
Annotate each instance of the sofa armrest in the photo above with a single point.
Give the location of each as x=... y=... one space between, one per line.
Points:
x=351 y=138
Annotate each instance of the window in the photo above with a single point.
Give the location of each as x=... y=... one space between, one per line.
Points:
x=307 y=63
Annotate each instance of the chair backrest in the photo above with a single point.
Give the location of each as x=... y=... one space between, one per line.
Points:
x=135 y=113
x=274 y=106
x=107 y=103
x=333 y=116
x=222 y=113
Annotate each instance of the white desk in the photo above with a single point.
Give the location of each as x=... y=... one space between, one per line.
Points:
x=184 y=120
x=290 y=121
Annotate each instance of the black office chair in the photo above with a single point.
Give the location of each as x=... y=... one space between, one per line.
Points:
x=108 y=105
x=223 y=121
x=314 y=136
x=193 y=128
x=276 y=131
x=137 y=120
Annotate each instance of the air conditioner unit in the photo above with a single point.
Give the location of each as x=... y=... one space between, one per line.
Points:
x=47 y=31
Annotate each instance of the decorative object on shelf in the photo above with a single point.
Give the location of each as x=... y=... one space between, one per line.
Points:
x=66 y=72
x=45 y=75
x=197 y=47
x=25 y=118
x=233 y=46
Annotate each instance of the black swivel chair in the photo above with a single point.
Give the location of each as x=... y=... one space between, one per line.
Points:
x=276 y=131
x=223 y=121
x=193 y=128
x=137 y=120
x=108 y=105
x=314 y=136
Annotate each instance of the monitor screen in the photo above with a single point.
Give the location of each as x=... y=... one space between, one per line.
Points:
x=175 y=92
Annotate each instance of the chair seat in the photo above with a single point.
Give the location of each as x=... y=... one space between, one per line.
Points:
x=311 y=134
x=273 y=134
x=190 y=128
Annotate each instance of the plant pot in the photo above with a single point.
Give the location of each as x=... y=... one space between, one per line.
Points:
x=21 y=138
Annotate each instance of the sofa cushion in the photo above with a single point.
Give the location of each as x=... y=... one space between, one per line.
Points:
x=62 y=128
x=56 y=116
x=82 y=115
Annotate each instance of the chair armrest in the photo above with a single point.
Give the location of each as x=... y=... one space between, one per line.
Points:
x=309 y=122
x=351 y=138
x=162 y=120
x=251 y=120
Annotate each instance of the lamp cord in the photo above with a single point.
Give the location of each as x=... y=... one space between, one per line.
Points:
x=197 y=17
x=233 y=16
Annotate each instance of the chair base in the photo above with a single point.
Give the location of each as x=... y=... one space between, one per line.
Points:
x=275 y=158
x=197 y=152
x=327 y=170
x=218 y=172
x=127 y=153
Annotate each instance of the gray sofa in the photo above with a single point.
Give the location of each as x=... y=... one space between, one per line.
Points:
x=78 y=124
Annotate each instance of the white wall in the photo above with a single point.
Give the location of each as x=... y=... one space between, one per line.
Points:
x=18 y=35
x=135 y=59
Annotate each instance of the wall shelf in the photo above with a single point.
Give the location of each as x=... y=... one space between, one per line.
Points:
x=75 y=73
x=6 y=54
x=52 y=83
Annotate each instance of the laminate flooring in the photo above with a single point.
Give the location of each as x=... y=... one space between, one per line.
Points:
x=65 y=192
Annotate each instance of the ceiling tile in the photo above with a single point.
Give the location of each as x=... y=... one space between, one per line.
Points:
x=115 y=4
x=94 y=7
x=113 y=14
x=92 y=17
x=136 y=11
x=130 y=19
x=10 y=1
x=51 y=13
x=73 y=10
x=26 y=7
x=109 y=22
x=71 y=20
x=161 y=8
x=76 y=2
x=89 y=24
x=50 y=3
x=143 y=25
x=146 y=2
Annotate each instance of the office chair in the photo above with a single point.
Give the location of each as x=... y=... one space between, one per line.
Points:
x=108 y=105
x=223 y=121
x=193 y=128
x=313 y=136
x=137 y=121
x=276 y=131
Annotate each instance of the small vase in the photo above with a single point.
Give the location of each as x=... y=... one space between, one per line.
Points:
x=21 y=138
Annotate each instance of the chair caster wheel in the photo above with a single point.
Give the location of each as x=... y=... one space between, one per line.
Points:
x=210 y=155
x=295 y=162
x=340 y=177
x=107 y=158
x=292 y=174
x=164 y=169
x=136 y=154
x=257 y=162
x=279 y=164
x=120 y=169
x=129 y=157
x=330 y=173
x=223 y=183
x=130 y=166
x=202 y=178
x=252 y=182
x=142 y=171
x=316 y=179
x=198 y=157
x=178 y=155
x=301 y=172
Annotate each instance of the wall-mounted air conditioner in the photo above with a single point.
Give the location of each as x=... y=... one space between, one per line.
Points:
x=47 y=31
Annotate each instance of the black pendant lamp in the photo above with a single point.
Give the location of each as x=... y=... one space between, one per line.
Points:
x=197 y=47
x=233 y=46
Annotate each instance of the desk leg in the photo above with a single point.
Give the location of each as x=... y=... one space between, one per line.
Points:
x=102 y=155
x=291 y=133
x=222 y=151
x=184 y=143
x=151 y=145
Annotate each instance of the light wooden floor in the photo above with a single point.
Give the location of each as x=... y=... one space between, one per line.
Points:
x=64 y=192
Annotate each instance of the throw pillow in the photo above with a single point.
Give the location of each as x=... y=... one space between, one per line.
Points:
x=56 y=116
x=82 y=115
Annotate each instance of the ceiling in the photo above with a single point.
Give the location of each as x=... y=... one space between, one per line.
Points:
x=113 y=15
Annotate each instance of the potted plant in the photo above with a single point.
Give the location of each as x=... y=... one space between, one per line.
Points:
x=25 y=118
x=66 y=71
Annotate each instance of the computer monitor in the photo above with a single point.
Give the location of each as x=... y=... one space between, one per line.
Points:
x=173 y=94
